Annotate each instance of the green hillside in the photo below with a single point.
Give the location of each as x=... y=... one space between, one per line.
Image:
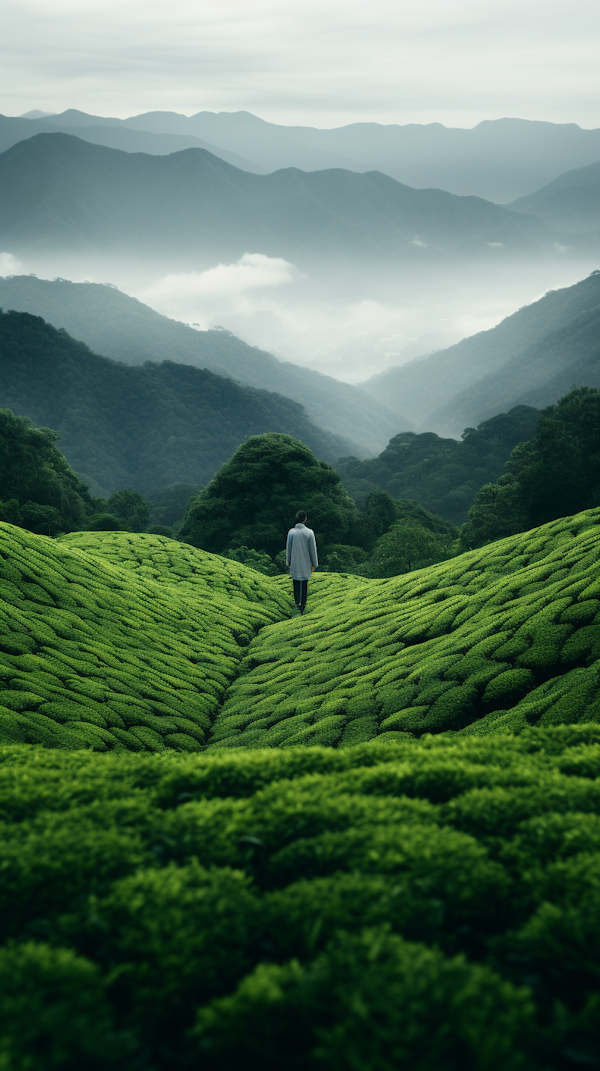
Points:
x=136 y=655
x=492 y=640
x=145 y=427
x=120 y=640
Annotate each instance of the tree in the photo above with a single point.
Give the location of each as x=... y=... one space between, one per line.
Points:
x=405 y=547
x=130 y=508
x=555 y=474
x=253 y=499
x=35 y=475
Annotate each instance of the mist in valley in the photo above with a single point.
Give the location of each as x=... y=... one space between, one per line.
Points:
x=349 y=320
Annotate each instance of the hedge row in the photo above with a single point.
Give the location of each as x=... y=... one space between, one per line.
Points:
x=135 y=656
x=492 y=640
x=430 y=904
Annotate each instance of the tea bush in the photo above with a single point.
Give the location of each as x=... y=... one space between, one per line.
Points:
x=132 y=647
x=427 y=903
x=492 y=640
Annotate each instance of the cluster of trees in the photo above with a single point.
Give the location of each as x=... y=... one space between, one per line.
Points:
x=248 y=508
x=39 y=491
x=554 y=474
x=443 y=475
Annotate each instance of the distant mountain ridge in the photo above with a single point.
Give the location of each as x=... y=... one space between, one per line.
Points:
x=146 y=427
x=65 y=194
x=499 y=160
x=124 y=329
x=530 y=358
x=571 y=203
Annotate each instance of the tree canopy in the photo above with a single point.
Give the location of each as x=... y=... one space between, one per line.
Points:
x=38 y=488
x=253 y=499
x=555 y=474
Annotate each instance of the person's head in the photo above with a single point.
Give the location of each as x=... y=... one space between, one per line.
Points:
x=301 y=517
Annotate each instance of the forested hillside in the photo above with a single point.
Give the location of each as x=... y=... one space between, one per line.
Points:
x=120 y=327
x=443 y=475
x=143 y=427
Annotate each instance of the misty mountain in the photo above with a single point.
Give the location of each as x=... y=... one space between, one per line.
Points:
x=539 y=376
x=571 y=203
x=122 y=328
x=62 y=193
x=500 y=159
x=526 y=359
x=145 y=427
x=113 y=134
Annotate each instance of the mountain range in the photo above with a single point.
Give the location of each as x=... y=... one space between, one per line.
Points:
x=146 y=427
x=124 y=329
x=530 y=358
x=499 y=160
x=63 y=194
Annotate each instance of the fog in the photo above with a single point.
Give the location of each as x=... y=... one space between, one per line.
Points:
x=349 y=322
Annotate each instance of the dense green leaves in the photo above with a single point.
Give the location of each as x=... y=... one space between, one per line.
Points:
x=131 y=649
x=443 y=475
x=255 y=496
x=429 y=902
x=555 y=474
x=38 y=489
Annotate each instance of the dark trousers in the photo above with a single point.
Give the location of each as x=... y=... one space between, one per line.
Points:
x=300 y=592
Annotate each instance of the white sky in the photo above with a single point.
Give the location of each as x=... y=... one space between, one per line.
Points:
x=317 y=62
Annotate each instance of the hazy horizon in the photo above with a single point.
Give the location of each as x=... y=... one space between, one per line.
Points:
x=316 y=64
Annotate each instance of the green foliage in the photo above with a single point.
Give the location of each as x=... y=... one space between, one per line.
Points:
x=253 y=559
x=54 y=1015
x=110 y=640
x=255 y=496
x=443 y=475
x=405 y=547
x=556 y=474
x=131 y=509
x=39 y=490
x=430 y=902
x=489 y=641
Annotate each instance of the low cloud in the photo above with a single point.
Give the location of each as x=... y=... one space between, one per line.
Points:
x=9 y=265
x=253 y=271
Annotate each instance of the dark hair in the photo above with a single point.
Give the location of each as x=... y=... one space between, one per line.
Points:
x=301 y=516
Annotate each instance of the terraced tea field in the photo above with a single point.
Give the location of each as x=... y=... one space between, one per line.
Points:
x=117 y=640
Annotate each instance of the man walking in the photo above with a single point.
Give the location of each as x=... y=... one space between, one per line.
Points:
x=301 y=558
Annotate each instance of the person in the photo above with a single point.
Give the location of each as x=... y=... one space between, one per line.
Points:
x=301 y=558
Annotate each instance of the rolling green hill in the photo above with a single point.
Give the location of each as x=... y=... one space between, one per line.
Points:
x=145 y=427
x=108 y=631
x=95 y=656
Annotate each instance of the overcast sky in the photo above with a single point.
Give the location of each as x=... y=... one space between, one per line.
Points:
x=318 y=62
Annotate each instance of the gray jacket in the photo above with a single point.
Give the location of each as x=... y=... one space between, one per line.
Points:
x=301 y=552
